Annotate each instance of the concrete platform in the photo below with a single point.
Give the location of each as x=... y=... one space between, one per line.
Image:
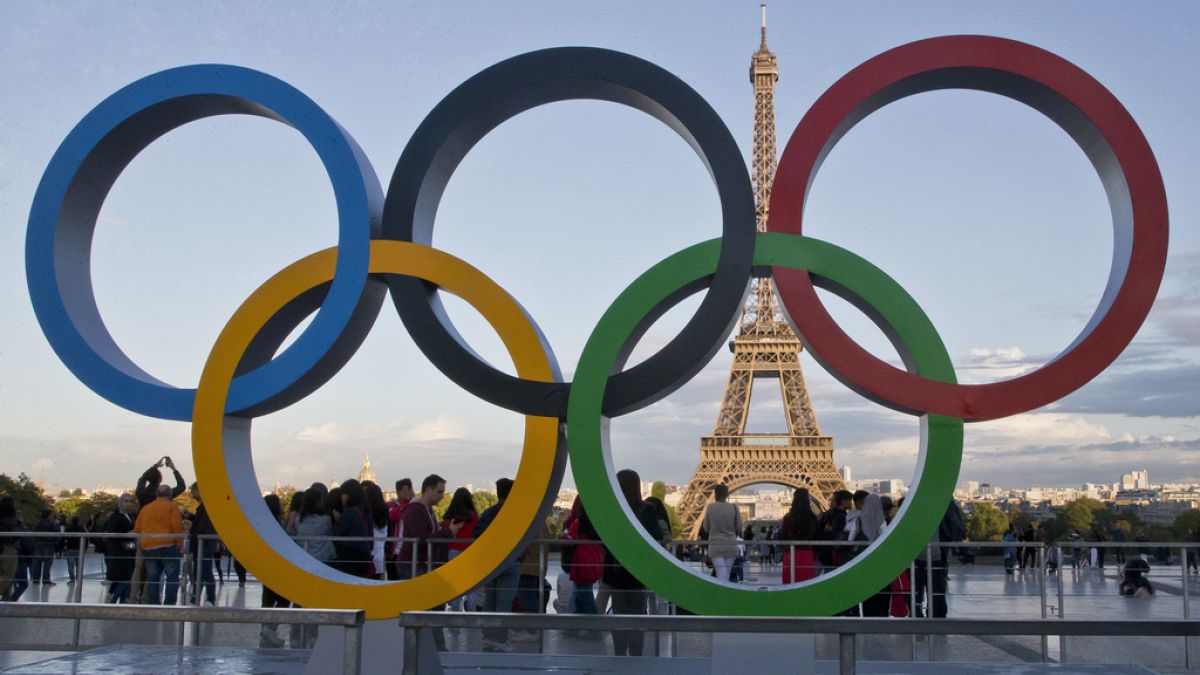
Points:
x=144 y=659
x=152 y=660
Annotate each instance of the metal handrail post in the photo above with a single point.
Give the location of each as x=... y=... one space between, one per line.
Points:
x=352 y=650
x=543 y=568
x=846 y=664
x=929 y=594
x=912 y=606
x=78 y=590
x=1062 y=614
x=1041 y=562
x=1187 y=610
x=1184 y=578
x=411 y=645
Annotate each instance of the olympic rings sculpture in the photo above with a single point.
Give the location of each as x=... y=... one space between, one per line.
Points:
x=384 y=248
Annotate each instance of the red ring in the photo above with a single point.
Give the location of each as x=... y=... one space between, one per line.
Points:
x=1068 y=96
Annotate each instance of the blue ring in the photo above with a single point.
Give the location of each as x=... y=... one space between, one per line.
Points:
x=62 y=223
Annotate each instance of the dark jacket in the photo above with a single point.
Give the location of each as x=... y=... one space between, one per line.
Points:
x=615 y=574
x=832 y=527
x=202 y=525
x=12 y=541
x=147 y=486
x=418 y=522
x=352 y=523
x=119 y=552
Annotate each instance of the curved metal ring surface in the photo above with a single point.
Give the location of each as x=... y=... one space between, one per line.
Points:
x=1071 y=98
x=505 y=90
x=62 y=223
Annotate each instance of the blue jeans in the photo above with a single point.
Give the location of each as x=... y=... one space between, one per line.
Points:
x=498 y=597
x=162 y=562
x=119 y=592
x=585 y=600
x=71 y=561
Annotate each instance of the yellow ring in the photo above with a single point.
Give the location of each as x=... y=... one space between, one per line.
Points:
x=225 y=470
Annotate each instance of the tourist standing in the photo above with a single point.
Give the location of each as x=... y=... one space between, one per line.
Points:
x=160 y=551
x=314 y=527
x=721 y=525
x=799 y=524
x=73 y=543
x=501 y=589
x=629 y=595
x=268 y=635
x=404 y=495
x=203 y=540
x=868 y=527
x=1010 y=551
x=44 y=544
x=353 y=555
x=120 y=552
x=461 y=511
x=377 y=513
x=10 y=546
x=832 y=528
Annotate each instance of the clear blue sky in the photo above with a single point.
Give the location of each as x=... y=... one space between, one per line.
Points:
x=982 y=209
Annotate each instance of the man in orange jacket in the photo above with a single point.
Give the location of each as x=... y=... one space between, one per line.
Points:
x=160 y=551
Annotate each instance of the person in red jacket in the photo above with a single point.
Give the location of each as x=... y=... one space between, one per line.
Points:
x=404 y=495
x=461 y=511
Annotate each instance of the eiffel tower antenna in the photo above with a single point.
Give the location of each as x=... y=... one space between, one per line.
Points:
x=765 y=347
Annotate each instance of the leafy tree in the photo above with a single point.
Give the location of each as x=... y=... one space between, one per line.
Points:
x=556 y=520
x=439 y=509
x=1018 y=518
x=1080 y=514
x=483 y=500
x=1185 y=523
x=285 y=494
x=986 y=523
x=30 y=499
x=100 y=505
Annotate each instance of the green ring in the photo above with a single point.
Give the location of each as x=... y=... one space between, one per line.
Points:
x=893 y=310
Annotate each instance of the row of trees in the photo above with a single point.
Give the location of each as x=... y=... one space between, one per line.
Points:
x=988 y=523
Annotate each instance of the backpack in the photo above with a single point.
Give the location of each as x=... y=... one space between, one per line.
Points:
x=953 y=527
x=587 y=563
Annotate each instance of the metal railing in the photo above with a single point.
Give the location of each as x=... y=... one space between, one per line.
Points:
x=847 y=629
x=349 y=619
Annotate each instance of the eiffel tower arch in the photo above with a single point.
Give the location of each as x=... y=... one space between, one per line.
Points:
x=765 y=347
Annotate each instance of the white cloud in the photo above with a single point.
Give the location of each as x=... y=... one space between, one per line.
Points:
x=989 y=364
x=440 y=428
x=323 y=433
x=1036 y=429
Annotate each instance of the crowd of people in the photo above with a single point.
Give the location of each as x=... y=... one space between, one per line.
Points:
x=153 y=548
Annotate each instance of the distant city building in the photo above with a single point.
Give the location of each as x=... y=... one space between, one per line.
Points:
x=847 y=475
x=890 y=487
x=1135 y=480
x=566 y=498
x=110 y=490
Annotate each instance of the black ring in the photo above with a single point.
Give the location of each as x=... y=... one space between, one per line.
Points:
x=505 y=90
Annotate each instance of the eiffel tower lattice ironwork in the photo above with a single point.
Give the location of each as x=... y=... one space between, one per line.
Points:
x=764 y=347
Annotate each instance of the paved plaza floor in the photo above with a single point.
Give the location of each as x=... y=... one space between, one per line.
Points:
x=982 y=591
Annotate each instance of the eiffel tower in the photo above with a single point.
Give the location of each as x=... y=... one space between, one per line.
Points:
x=764 y=347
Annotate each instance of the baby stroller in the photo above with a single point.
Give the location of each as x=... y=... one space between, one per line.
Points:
x=1135 y=583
